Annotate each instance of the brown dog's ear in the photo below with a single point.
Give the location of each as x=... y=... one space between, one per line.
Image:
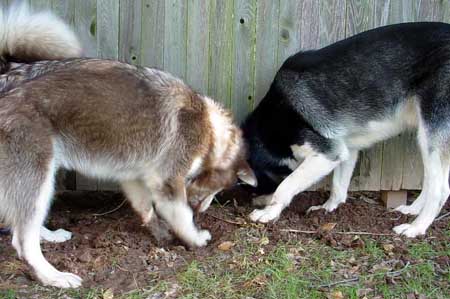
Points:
x=246 y=174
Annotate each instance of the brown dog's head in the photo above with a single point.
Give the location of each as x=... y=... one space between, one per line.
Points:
x=223 y=164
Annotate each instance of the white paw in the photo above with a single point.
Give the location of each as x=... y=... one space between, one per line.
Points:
x=262 y=201
x=328 y=206
x=56 y=236
x=265 y=215
x=61 y=280
x=202 y=238
x=409 y=230
x=409 y=210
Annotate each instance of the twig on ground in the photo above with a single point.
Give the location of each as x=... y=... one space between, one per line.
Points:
x=390 y=274
x=398 y=272
x=443 y=216
x=328 y=285
x=224 y=220
x=112 y=211
x=339 y=233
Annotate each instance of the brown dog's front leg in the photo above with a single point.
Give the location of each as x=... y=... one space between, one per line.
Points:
x=170 y=203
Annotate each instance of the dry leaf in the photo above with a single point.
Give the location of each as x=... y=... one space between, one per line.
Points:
x=328 y=227
x=108 y=294
x=225 y=246
x=335 y=295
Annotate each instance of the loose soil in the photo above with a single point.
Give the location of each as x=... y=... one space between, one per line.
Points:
x=114 y=251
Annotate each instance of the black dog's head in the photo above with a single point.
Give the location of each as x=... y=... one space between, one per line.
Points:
x=264 y=164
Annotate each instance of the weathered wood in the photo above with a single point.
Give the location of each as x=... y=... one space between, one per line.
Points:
x=64 y=9
x=39 y=5
x=197 y=63
x=175 y=40
x=243 y=71
x=152 y=42
x=130 y=16
x=221 y=50
x=393 y=199
x=85 y=24
x=266 y=57
x=289 y=29
x=108 y=29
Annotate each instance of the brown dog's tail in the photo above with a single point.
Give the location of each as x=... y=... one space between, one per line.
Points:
x=28 y=37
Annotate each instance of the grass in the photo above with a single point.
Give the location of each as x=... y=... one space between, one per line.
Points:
x=296 y=269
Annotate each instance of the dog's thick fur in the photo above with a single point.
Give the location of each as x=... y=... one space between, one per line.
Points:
x=326 y=105
x=139 y=126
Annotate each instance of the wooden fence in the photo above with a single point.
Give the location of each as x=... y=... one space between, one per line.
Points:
x=231 y=49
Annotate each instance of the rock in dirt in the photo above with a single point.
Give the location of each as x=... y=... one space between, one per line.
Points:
x=225 y=246
x=85 y=257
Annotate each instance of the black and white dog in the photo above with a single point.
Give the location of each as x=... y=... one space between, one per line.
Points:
x=326 y=105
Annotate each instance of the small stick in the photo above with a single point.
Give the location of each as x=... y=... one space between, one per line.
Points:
x=443 y=216
x=112 y=211
x=328 y=285
x=398 y=272
x=224 y=220
x=339 y=233
x=390 y=274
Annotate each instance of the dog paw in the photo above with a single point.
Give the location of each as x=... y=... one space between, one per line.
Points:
x=56 y=236
x=409 y=210
x=202 y=238
x=409 y=230
x=328 y=206
x=265 y=215
x=61 y=280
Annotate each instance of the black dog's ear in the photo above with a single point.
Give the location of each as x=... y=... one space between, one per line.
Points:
x=246 y=174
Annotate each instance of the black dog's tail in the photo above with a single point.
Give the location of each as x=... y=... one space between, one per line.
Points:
x=28 y=37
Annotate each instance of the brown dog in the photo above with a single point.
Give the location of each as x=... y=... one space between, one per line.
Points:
x=141 y=127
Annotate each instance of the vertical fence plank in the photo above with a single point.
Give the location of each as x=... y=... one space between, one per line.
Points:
x=38 y=5
x=289 y=30
x=152 y=44
x=130 y=31
x=175 y=40
x=309 y=34
x=242 y=93
x=86 y=25
x=221 y=49
x=197 y=63
x=266 y=56
x=108 y=29
x=65 y=10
